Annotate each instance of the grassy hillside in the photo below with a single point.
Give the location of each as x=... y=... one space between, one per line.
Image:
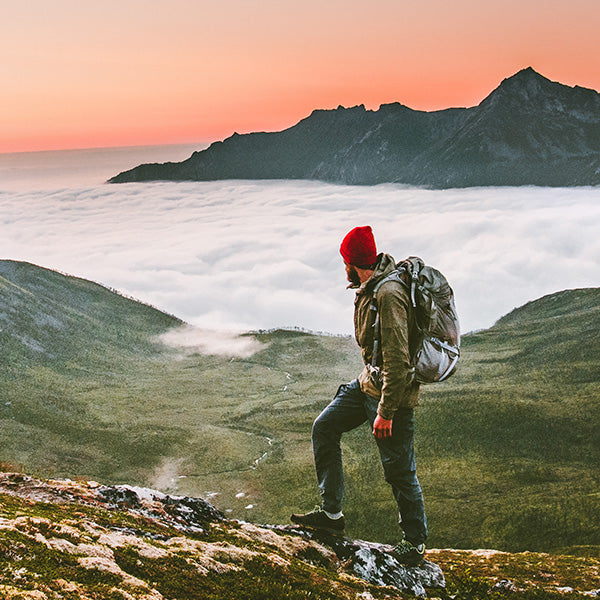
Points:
x=51 y=319
x=520 y=416
x=507 y=449
x=67 y=345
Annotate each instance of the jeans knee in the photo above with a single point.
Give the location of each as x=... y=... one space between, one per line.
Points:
x=320 y=428
x=325 y=431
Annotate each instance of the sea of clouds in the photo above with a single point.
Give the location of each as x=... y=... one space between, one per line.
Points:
x=246 y=255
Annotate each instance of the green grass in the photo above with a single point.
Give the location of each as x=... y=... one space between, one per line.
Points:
x=507 y=449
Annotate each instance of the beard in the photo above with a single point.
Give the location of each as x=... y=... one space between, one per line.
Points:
x=353 y=277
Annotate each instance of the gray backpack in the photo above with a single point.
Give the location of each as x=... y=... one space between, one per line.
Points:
x=434 y=317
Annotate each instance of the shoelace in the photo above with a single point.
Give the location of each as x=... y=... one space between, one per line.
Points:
x=404 y=547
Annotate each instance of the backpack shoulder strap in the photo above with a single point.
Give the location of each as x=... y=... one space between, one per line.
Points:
x=393 y=276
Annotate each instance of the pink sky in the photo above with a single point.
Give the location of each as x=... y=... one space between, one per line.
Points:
x=131 y=72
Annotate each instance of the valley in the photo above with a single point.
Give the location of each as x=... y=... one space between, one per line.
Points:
x=507 y=449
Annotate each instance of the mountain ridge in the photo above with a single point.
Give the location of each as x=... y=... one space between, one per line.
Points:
x=54 y=315
x=527 y=131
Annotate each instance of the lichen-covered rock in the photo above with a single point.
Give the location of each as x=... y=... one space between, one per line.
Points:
x=72 y=539
x=375 y=563
x=94 y=541
x=181 y=512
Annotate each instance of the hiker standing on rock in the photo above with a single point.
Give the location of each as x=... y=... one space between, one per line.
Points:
x=385 y=396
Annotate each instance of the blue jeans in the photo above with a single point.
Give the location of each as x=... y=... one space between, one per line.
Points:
x=349 y=409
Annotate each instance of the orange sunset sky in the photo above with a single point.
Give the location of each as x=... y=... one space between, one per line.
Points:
x=80 y=74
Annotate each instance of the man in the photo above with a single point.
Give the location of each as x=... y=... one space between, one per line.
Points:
x=385 y=397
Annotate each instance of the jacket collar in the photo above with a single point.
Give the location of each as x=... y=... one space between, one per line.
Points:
x=385 y=265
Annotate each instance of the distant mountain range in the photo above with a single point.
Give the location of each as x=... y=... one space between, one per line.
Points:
x=528 y=131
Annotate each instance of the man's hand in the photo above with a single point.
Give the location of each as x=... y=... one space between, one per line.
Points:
x=382 y=428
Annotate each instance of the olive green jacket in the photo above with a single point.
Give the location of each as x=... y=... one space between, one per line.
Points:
x=393 y=385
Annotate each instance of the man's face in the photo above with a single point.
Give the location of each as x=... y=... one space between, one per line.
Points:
x=352 y=275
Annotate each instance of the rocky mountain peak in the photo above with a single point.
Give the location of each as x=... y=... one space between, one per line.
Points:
x=527 y=76
x=525 y=87
x=528 y=90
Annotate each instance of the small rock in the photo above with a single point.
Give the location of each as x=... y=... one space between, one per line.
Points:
x=505 y=585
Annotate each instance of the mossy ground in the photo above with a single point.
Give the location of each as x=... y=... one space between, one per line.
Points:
x=73 y=550
x=77 y=550
x=525 y=574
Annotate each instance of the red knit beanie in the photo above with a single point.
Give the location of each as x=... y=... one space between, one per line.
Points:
x=358 y=247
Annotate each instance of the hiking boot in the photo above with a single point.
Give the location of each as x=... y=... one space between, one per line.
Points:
x=318 y=519
x=408 y=554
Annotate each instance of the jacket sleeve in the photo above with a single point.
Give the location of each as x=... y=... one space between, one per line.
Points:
x=397 y=374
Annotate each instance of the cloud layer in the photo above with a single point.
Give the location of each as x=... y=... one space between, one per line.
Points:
x=240 y=255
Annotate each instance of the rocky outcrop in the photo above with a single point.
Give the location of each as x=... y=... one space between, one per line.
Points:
x=60 y=535
x=529 y=131
x=375 y=563
x=69 y=539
